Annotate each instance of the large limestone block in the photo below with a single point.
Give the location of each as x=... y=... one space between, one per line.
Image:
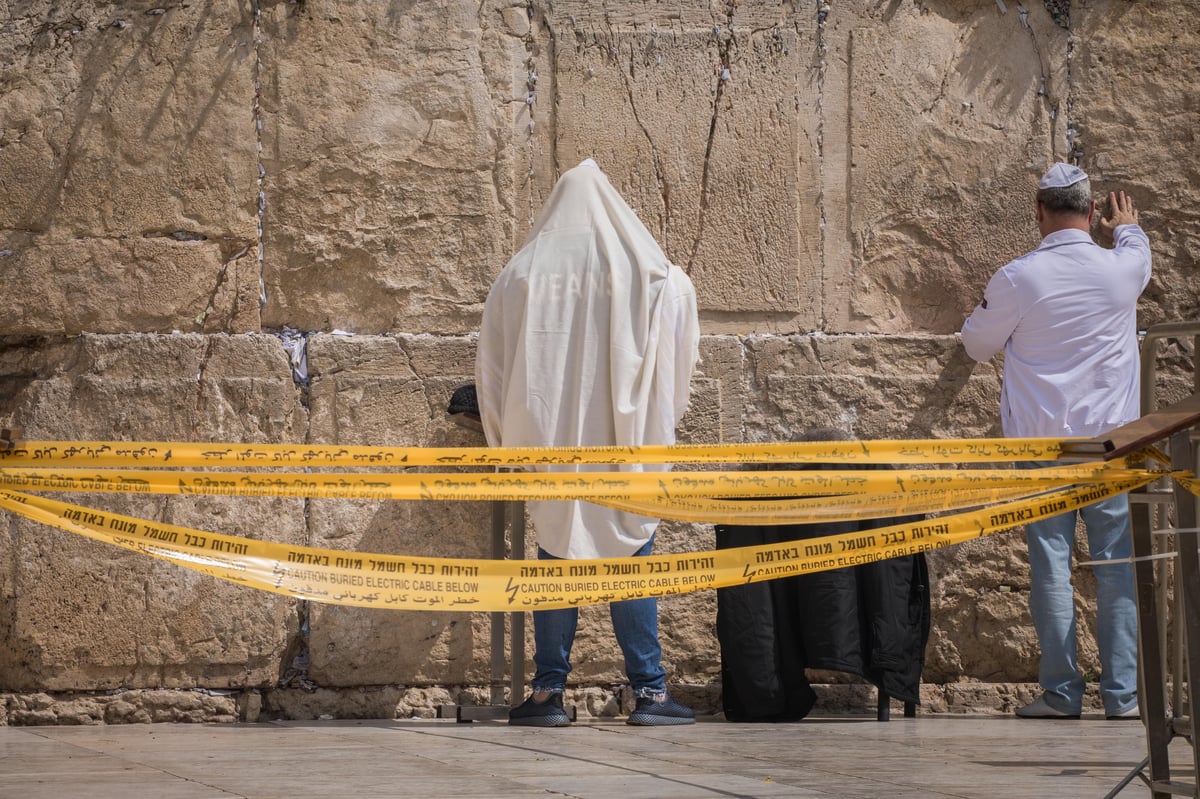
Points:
x=1135 y=130
x=704 y=122
x=898 y=387
x=394 y=391
x=939 y=120
x=120 y=123
x=717 y=401
x=981 y=624
x=115 y=285
x=76 y=614
x=390 y=160
x=981 y=627
x=362 y=646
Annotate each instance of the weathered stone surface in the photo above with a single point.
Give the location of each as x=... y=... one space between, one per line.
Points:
x=980 y=601
x=715 y=412
x=1117 y=89
x=373 y=702
x=121 y=707
x=116 y=285
x=361 y=388
x=840 y=198
x=944 y=144
x=78 y=613
x=121 y=123
x=898 y=387
x=403 y=702
x=668 y=104
x=389 y=160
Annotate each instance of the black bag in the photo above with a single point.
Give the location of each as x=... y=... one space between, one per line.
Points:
x=464 y=407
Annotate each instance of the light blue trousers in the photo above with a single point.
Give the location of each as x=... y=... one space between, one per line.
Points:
x=1052 y=604
x=635 y=623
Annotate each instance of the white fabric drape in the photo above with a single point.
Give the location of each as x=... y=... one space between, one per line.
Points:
x=589 y=338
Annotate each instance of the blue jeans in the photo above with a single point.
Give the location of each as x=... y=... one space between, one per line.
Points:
x=635 y=622
x=1052 y=604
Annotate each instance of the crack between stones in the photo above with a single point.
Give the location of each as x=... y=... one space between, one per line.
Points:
x=660 y=177
x=723 y=48
x=202 y=317
x=260 y=177
x=1049 y=104
x=204 y=361
x=822 y=50
x=1074 y=152
x=295 y=672
x=531 y=79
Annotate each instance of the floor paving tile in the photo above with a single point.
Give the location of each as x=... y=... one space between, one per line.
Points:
x=929 y=757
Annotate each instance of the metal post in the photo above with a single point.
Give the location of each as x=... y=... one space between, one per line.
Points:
x=503 y=513
x=496 y=694
x=517 y=690
x=1187 y=583
x=1152 y=609
x=1152 y=697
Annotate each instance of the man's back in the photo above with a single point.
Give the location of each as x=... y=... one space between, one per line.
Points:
x=1066 y=317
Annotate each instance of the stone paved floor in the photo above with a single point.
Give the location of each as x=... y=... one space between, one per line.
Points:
x=928 y=757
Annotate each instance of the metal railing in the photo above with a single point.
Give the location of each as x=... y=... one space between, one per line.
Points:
x=1167 y=569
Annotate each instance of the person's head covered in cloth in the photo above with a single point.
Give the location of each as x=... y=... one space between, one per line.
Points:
x=589 y=337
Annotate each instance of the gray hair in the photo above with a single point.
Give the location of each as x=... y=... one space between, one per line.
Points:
x=1073 y=200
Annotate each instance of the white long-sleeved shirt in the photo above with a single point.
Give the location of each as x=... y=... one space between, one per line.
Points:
x=1066 y=317
x=589 y=338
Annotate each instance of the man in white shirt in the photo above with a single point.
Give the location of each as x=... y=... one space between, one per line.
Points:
x=1066 y=317
x=589 y=338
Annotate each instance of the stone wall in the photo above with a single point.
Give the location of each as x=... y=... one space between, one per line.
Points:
x=188 y=186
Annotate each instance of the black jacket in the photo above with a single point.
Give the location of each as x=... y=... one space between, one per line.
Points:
x=871 y=620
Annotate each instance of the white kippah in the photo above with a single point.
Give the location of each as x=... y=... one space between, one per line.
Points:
x=589 y=162
x=1060 y=176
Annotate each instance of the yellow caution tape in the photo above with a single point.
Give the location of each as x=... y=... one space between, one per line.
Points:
x=189 y=455
x=848 y=507
x=1189 y=482
x=449 y=486
x=740 y=496
x=391 y=581
x=690 y=495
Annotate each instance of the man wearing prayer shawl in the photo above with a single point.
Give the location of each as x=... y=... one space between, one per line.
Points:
x=589 y=338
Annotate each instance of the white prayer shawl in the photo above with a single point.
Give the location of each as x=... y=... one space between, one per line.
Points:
x=589 y=338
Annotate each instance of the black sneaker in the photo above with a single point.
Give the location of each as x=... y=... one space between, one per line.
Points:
x=532 y=713
x=650 y=713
